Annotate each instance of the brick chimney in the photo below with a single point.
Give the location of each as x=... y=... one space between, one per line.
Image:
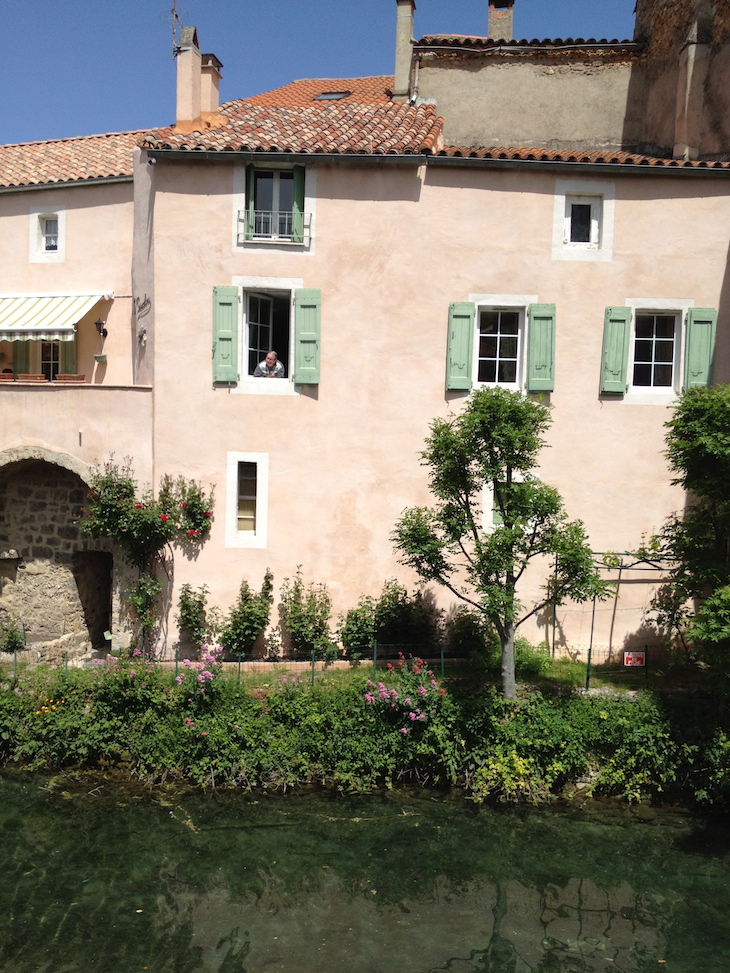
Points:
x=403 y=49
x=198 y=85
x=501 y=16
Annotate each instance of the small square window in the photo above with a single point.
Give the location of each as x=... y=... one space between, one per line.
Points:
x=583 y=222
x=583 y=217
x=49 y=233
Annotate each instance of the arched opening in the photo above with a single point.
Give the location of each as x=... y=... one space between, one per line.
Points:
x=54 y=580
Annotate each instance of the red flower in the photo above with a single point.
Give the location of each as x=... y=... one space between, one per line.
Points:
x=138 y=506
x=207 y=513
x=191 y=533
x=185 y=506
x=163 y=517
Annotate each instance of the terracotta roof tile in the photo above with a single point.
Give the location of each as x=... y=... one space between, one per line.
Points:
x=364 y=91
x=332 y=127
x=599 y=157
x=471 y=42
x=67 y=160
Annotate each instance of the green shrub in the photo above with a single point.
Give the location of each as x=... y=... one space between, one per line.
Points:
x=12 y=636
x=305 y=617
x=192 y=614
x=394 y=618
x=248 y=618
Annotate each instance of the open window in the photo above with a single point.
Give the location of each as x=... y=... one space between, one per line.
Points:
x=254 y=318
x=274 y=210
x=501 y=340
x=47 y=358
x=656 y=348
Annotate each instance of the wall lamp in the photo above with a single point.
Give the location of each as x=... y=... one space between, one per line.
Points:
x=100 y=328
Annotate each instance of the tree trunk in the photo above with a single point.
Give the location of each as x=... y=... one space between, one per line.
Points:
x=509 y=683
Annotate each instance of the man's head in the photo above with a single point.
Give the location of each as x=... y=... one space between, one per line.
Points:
x=271 y=359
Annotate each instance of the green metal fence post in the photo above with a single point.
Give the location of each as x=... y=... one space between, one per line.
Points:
x=239 y=666
x=177 y=657
x=590 y=647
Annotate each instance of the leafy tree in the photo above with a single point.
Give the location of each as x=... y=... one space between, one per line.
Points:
x=495 y=441
x=697 y=543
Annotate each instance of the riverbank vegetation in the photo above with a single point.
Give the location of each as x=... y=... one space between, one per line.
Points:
x=405 y=725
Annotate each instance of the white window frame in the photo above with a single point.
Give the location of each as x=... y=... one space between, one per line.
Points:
x=502 y=302
x=488 y=524
x=257 y=539
x=661 y=395
x=37 y=252
x=248 y=384
x=602 y=197
x=272 y=245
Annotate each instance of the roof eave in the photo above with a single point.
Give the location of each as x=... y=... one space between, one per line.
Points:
x=68 y=184
x=189 y=155
x=614 y=168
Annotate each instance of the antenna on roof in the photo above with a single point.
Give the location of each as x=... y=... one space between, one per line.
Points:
x=176 y=28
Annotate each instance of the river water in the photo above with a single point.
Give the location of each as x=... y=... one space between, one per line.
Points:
x=122 y=880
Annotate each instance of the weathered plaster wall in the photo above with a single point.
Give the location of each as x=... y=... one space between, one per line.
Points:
x=548 y=101
x=392 y=247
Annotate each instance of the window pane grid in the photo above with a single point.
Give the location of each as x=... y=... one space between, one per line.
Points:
x=499 y=341
x=654 y=350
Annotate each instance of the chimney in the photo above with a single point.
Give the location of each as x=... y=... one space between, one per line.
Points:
x=210 y=83
x=501 y=15
x=188 y=78
x=403 y=49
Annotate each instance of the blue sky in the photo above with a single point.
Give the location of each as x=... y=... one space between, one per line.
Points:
x=79 y=67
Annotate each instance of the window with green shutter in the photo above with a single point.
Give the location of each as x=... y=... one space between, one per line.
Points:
x=307 y=303
x=700 y=346
x=541 y=349
x=615 y=354
x=275 y=209
x=460 y=346
x=225 y=334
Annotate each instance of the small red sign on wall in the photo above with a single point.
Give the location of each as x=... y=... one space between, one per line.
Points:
x=635 y=659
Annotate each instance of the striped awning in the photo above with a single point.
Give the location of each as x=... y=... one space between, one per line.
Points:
x=45 y=317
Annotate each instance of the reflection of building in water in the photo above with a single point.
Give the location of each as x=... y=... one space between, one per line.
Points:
x=327 y=928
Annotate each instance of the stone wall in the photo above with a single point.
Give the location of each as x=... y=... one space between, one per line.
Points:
x=53 y=579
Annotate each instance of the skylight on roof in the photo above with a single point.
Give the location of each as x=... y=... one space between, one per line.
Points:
x=332 y=95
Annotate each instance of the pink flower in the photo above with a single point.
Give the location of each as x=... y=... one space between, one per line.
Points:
x=204 y=734
x=178 y=680
x=404 y=729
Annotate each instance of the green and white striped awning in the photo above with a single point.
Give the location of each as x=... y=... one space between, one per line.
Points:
x=45 y=317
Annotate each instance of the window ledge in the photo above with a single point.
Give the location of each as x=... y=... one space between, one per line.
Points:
x=265 y=386
x=635 y=397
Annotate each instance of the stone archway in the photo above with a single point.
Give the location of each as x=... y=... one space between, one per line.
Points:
x=54 y=580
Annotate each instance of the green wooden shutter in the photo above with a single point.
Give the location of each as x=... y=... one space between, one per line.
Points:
x=460 y=346
x=699 y=351
x=541 y=348
x=307 y=305
x=20 y=357
x=67 y=358
x=615 y=356
x=298 y=206
x=225 y=334
x=250 y=203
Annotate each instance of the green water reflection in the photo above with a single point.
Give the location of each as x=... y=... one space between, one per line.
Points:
x=124 y=882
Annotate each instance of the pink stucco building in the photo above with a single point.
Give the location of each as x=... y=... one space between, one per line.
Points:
x=552 y=216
